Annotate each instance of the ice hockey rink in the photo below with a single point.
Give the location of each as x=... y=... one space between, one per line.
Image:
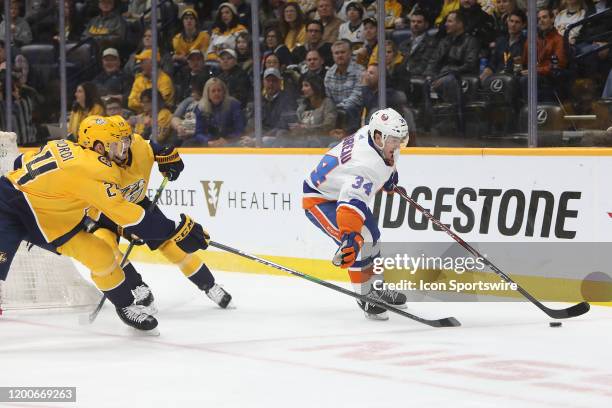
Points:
x=291 y=343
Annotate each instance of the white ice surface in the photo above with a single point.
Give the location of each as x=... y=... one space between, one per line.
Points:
x=291 y=343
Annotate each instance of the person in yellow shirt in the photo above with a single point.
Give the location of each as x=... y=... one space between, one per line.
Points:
x=87 y=102
x=190 y=38
x=292 y=25
x=44 y=201
x=142 y=123
x=143 y=81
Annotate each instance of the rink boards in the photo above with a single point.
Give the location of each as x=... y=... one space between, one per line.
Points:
x=541 y=215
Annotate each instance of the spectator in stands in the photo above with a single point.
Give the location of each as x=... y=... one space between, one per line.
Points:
x=273 y=44
x=44 y=26
x=447 y=7
x=219 y=119
x=225 y=30
x=2 y=56
x=352 y=29
x=269 y=12
x=142 y=123
x=509 y=47
x=243 y=10
x=550 y=50
x=369 y=47
x=24 y=108
x=132 y=68
x=418 y=49
x=290 y=77
x=276 y=104
x=195 y=68
x=572 y=11
x=396 y=76
x=292 y=25
x=190 y=38
x=316 y=114
x=86 y=103
x=113 y=106
x=184 y=119
x=244 y=53
x=112 y=81
x=369 y=90
x=431 y=9
x=136 y=9
x=108 y=28
x=238 y=84
x=456 y=54
x=331 y=24
x=314 y=41
x=503 y=8
x=393 y=13
x=20 y=29
x=478 y=24
x=142 y=81
x=314 y=65
x=342 y=84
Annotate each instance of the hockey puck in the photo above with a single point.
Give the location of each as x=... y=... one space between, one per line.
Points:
x=555 y=324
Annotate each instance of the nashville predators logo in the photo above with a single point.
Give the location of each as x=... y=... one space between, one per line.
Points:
x=3 y=257
x=133 y=192
x=212 y=191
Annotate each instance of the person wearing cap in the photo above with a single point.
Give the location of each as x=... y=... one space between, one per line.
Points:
x=190 y=38
x=277 y=104
x=143 y=81
x=352 y=29
x=314 y=41
x=225 y=30
x=195 y=68
x=108 y=28
x=237 y=81
x=112 y=81
x=370 y=41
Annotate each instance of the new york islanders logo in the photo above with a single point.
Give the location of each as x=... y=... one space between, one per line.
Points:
x=212 y=191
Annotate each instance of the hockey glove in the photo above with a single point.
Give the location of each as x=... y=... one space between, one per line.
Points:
x=169 y=162
x=190 y=236
x=131 y=238
x=346 y=255
x=391 y=183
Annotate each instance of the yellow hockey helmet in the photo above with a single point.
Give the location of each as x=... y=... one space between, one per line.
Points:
x=100 y=129
x=122 y=125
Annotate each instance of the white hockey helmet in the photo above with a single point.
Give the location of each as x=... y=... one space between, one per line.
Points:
x=390 y=124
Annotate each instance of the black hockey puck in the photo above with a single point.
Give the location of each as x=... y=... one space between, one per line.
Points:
x=555 y=324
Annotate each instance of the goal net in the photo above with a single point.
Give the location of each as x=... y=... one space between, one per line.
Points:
x=39 y=279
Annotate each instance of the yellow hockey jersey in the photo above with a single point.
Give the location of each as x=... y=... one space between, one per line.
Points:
x=63 y=179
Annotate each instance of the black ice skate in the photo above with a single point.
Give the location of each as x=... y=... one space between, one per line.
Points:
x=372 y=311
x=144 y=297
x=390 y=297
x=218 y=295
x=135 y=316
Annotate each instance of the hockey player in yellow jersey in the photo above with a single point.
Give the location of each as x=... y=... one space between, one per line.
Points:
x=135 y=172
x=45 y=198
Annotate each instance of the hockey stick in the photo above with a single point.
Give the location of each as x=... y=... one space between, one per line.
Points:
x=94 y=314
x=446 y=322
x=572 y=311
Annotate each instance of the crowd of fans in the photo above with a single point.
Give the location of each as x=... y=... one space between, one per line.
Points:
x=319 y=65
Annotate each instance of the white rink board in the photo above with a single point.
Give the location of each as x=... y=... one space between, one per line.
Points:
x=258 y=208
